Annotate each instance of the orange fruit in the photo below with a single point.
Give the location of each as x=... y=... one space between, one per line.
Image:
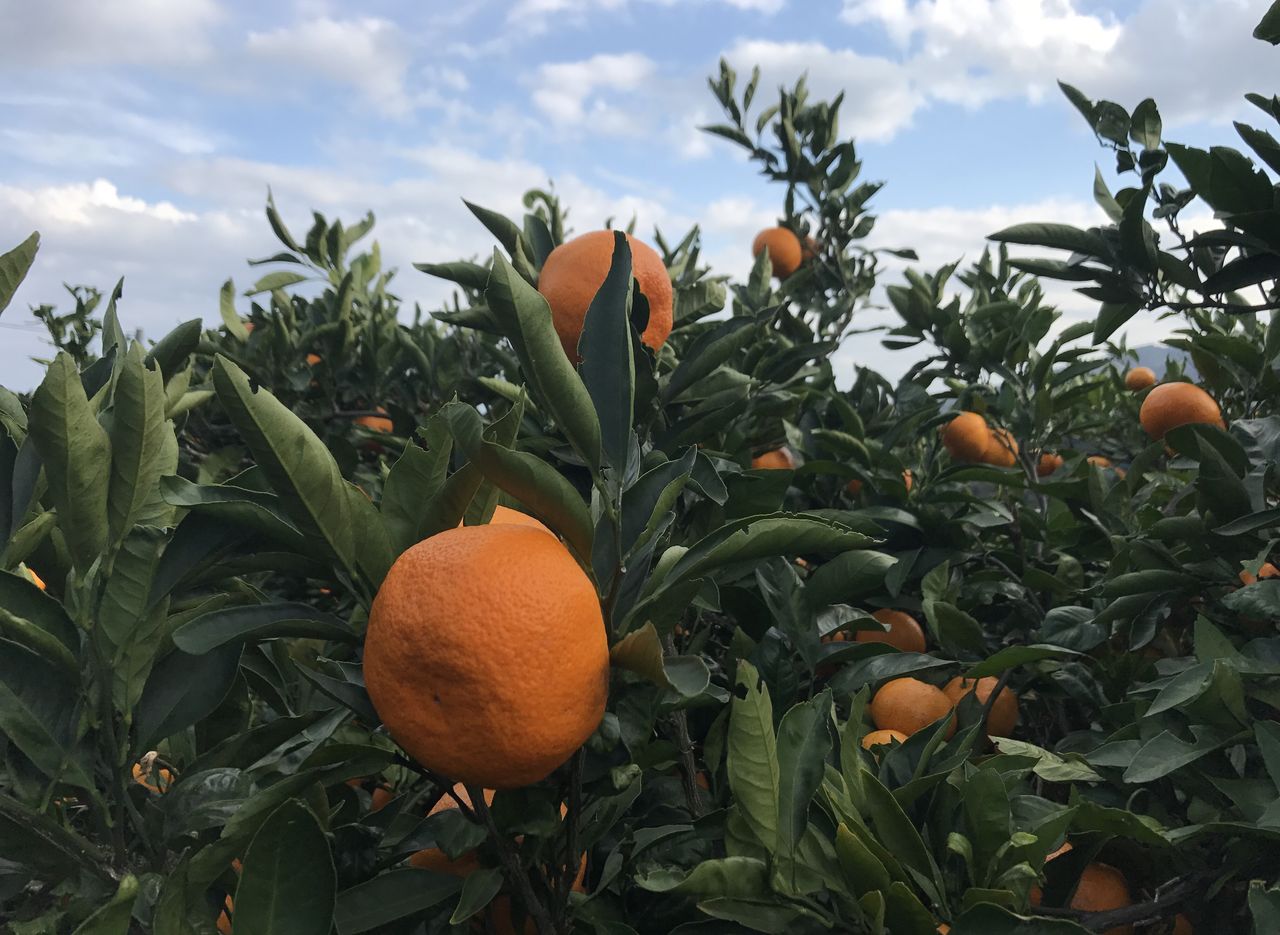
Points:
x=33 y=577
x=908 y=705
x=575 y=271
x=1170 y=405
x=1102 y=887
x=785 y=252
x=907 y=479
x=486 y=655
x=432 y=858
x=943 y=928
x=1004 y=713
x=1048 y=463
x=249 y=326
x=701 y=780
x=376 y=423
x=224 y=917
x=877 y=738
x=853 y=488
x=1181 y=925
x=1002 y=449
x=904 y=632
x=809 y=250
x=1266 y=571
x=380 y=798
x=780 y=459
x=157 y=781
x=505 y=516
x=966 y=437
x=313 y=359
x=1139 y=378
x=1099 y=461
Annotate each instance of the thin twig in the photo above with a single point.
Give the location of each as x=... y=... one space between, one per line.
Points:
x=515 y=873
x=689 y=768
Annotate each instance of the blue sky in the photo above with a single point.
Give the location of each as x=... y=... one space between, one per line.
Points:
x=140 y=136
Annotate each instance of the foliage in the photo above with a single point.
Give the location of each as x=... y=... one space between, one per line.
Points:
x=193 y=532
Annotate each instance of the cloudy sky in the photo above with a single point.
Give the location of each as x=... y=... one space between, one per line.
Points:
x=140 y=136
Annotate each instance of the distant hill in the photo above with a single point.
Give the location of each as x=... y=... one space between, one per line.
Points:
x=1156 y=357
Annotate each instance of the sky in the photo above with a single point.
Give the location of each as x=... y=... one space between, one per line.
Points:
x=140 y=137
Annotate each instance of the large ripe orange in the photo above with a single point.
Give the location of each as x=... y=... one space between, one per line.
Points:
x=575 y=271
x=1139 y=378
x=1004 y=713
x=1170 y=405
x=1101 y=888
x=966 y=437
x=1048 y=463
x=785 y=251
x=780 y=459
x=904 y=632
x=877 y=738
x=908 y=705
x=486 y=654
x=1002 y=449
x=376 y=423
x=1266 y=571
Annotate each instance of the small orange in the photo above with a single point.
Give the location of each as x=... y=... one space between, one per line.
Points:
x=1002 y=449
x=909 y=705
x=701 y=781
x=1266 y=571
x=1182 y=925
x=381 y=798
x=854 y=487
x=313 y=359
x=1139 y=378
x=1170 y=405
x=966 y=437
x=33 y=577
x=432 y=858
x=780 y=459
x=224 y=917
x=1048 y=463
x=1099 y=461
x=785 y=252
x=809 y=250
x=157 y=781
x=904 y=632
x=943 y=928
x=907 y=479
x=574 y=272
x=486 y=654
x=876 y=738
x=1101 y=888
x=376 y=423
x=1004 y=713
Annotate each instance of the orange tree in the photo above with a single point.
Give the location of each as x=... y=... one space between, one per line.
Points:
x=255 y=678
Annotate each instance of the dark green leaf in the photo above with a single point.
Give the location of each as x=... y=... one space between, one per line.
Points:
x=13 y=268
x=287 y=884
x=605 y=347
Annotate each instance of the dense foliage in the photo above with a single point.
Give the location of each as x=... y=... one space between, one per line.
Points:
x=194 y=530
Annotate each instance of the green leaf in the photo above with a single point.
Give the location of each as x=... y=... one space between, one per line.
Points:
x=287 y=884
x=298 y=465
x=260 y=622
x=1049 y=766
x=20 y=596
x=1260 y=600
x=713 y=347
x=77 y=457
x=526 y=477
x=753 y=755
x=1145 y=125
x=640 y=651
x=468 y=275
x=390 y=897
x=280 y=279
x=903 y=911
x=1106 y=201
x=893 y=829
x=1243 y=272
x=478 y=891
x=114 y=917
x=14 y=266
x=170 y=353
x=986 y=809
x=414 y=480
x=732 y=877
x=526 y=321
x=990 y=919
x=1111 y=315
x=227 y=309
x=863 y=871
x=181 y=690
x=1013 y=656
x=1262 y=143
x=138 y=436
x=253 y=510
x=1268 y=30
x=37 y=841
x=40 y=713
x=848 y=577
x=607 y=366
x=278 y=225
x=1166 y=752
x=129 y=628
x=1057 y=236
x=804 y=741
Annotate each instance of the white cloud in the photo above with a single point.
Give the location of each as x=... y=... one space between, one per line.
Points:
x=567 y=91
x=881 y=95
x=367 y=54
x=106 y=32
x=971 y=52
